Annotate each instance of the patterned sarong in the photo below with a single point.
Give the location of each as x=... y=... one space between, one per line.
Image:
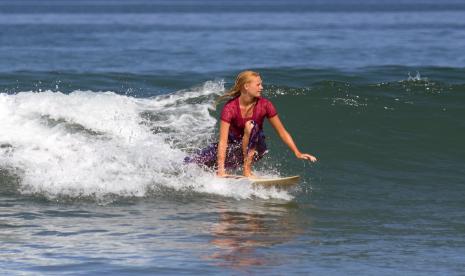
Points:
x=234 y=158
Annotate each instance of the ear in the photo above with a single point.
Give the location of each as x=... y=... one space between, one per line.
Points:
x=246 y=85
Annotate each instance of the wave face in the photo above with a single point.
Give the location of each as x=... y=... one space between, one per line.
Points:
x=101 y=144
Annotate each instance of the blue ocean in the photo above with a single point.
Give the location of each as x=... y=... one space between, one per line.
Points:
x=100 y=101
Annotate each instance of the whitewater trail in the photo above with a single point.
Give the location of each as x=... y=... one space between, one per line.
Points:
x=96 y=144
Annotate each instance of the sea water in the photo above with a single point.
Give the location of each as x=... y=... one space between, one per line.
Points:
x=100 y=101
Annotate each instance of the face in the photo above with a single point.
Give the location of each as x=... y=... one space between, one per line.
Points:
x=254 y=87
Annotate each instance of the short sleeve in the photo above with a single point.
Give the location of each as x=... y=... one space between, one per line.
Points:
x=270 y=109
x=227 y=114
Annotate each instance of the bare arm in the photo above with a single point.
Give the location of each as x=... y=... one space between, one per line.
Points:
x=287 y=139
x=222 y=145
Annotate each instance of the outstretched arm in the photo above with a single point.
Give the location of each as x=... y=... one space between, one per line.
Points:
x=222 y=145
x=287 y=139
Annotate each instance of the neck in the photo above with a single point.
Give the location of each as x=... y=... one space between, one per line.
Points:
x=246 y=100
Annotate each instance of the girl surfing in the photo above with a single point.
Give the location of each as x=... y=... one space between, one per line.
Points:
x=241 y=137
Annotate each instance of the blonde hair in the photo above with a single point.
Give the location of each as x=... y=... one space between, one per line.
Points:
x=241 y=79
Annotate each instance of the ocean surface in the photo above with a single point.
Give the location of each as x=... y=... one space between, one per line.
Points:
x=100 y=101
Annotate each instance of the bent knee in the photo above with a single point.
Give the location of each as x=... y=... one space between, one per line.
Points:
x=248 y=126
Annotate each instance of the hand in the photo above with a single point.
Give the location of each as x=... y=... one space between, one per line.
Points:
x=306 y=156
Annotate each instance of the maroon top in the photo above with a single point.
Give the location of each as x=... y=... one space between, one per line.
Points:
x=231 y=113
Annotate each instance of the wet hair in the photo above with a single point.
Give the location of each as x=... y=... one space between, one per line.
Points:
x=241 y=79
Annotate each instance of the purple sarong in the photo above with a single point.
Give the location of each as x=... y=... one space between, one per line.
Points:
x=234 y=158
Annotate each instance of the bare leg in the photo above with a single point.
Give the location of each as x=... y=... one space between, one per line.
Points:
x=248 y=157
x=248 y=163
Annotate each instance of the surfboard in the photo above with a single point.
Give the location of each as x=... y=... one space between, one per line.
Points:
x=267 y=182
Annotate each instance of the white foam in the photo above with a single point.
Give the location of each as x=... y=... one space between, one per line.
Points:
x=99 y=143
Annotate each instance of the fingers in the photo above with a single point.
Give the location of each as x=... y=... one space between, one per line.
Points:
x=308 y=157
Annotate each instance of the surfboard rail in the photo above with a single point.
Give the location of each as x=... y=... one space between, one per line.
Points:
x=268 y=182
